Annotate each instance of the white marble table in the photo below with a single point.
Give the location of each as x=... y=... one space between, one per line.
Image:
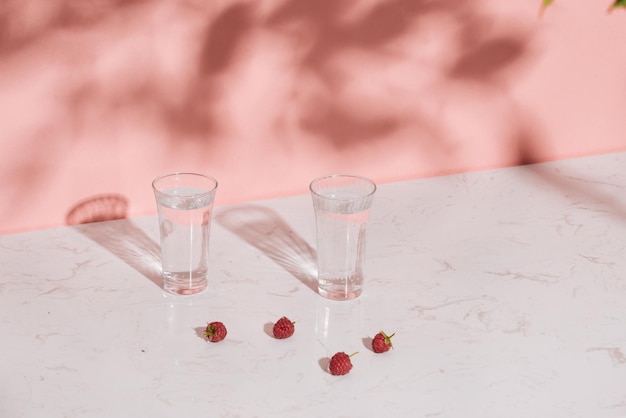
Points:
x=506 y=290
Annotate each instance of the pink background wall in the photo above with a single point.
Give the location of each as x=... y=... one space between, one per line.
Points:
x=100 y=97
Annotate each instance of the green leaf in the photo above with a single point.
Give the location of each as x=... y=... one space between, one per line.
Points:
x=616 y=4
x=544 y=5
x=619 y=3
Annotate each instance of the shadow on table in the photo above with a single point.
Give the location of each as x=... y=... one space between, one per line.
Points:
x=129 y=243
x=264 y=229
x=571 y=183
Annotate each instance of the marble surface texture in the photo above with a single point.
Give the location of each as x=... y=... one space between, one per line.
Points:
x=506 y=290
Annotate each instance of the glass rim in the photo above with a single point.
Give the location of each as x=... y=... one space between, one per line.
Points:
x=184 y=173
x=351 y=176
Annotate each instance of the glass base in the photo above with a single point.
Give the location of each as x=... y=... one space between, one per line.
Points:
x=341 y=293
x=184 y=283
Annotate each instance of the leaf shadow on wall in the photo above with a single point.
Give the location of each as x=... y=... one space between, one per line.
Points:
x=265 y=230
x=95 y=100
x=332 y=35
x=327 y=42
x=140 y=90
x=324 y=35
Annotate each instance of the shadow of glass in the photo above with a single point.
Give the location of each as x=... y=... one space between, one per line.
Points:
x=262 y=228
x=130 y=244
x=106 y=207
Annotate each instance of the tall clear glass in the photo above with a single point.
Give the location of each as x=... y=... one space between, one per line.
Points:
x=184 y=203
x=342 y=206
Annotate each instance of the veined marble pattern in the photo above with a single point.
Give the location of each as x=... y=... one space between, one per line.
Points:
x=506 y=290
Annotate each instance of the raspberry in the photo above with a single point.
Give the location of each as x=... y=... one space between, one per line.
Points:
x=283 y=328
x=215 y=332
x=340 y=363
x=382 y=342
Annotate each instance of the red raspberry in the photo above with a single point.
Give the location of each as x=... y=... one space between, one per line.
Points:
x=382 y=342
x=215 y=332
x=340 y=364
x=283 y=328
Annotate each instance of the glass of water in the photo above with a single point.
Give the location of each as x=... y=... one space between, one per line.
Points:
x=184 y=203
x=342 y=206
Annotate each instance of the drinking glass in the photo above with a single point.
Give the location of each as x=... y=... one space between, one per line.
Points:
x=184 y=203
x=342 y=206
